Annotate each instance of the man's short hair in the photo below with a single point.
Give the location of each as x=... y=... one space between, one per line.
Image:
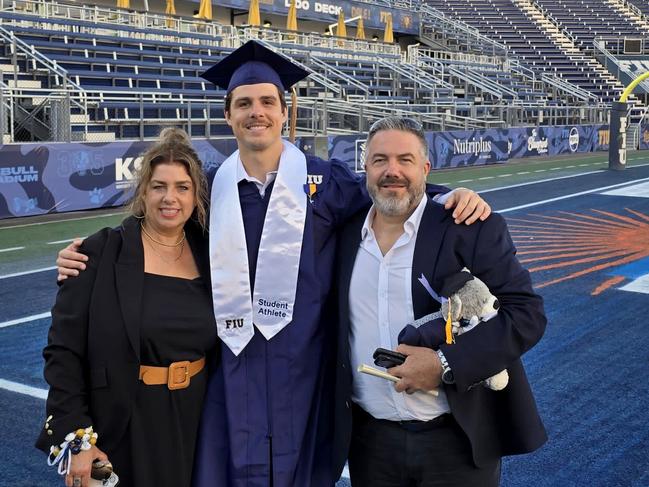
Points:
x=282 y=100
x=403 y=124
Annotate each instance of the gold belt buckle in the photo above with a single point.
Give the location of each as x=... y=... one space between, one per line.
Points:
x=178 y=375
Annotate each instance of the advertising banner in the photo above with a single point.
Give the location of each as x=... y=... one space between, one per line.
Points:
x=464 y=148
x=47 y=178
x=374 y=16
x=36 y=179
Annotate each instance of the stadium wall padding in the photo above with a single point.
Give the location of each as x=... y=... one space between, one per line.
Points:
x=40 y=178
x=464 y=148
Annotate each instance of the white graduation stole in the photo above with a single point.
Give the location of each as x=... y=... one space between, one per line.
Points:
x=278 y=261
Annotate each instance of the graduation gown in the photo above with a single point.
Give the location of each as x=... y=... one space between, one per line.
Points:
x=269 y=411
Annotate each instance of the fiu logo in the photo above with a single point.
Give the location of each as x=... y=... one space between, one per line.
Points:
x=311 y=186
x=233 y=324
x=314 y=179
x=603 y=137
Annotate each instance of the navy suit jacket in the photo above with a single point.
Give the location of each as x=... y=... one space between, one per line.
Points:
x=497 y=423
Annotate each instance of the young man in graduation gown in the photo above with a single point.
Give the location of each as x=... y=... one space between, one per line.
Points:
x=267 y=417
x=271 y=237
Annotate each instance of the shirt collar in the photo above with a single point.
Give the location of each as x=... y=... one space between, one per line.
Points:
x=242 y=175
x=410 y=226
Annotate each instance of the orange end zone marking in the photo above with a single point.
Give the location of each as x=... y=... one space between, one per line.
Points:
x=607 y=284
x=596 y=268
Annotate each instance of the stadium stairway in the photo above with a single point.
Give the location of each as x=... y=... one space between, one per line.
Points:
x=641 y=5
x=584 y=21
x=530 y=33
x=637 y=12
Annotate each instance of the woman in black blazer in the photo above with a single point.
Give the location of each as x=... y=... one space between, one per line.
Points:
x=127 y=347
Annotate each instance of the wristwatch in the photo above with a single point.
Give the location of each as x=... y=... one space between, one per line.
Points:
x=447 y=373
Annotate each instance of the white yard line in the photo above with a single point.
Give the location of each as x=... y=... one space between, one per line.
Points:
x=11 y=249
x=25 y=319
x=537 y=182
x=552 y=179
x=62 y=221
x=64 y=241
x=24 y=273
x=23 y=389
x=565 y=197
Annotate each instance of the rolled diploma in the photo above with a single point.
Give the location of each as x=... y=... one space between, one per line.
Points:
x=366 y=369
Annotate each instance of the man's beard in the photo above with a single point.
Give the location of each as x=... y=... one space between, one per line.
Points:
x=396 y=205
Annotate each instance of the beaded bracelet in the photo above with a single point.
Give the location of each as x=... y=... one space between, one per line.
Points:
x=75 y=443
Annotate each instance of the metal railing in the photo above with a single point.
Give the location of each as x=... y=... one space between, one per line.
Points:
x=324 y=45
x=475 y=41
x=636 y=11
x=331 y=71
x=599 y=45
x=73 y=93
x=30 y=114
x=482 y=82
x=416 y=50
x=6 y=113
x=314 y=75
x=554 y=21
x=170 y=25
x=141 y=115
x=569 y=88
x=416 y=75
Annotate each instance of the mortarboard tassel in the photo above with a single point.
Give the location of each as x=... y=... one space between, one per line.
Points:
x=448 y=328
x=293 y=122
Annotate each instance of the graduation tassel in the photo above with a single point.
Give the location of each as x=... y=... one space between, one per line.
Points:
x=293 y=123
x=449 y=326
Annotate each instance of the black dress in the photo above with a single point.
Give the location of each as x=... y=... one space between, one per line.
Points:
x=177 y=324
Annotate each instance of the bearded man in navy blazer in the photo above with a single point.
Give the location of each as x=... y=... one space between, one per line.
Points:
x=397 y=435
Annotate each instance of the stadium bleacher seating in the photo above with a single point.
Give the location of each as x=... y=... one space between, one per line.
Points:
x=503 y=21
x=585 y=21
x=134 y=77
x=642 y=5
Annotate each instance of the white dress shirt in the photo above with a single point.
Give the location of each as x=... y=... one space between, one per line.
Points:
x=380 y=299
x=242 y=175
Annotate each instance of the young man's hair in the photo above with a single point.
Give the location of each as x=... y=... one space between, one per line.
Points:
x=282 y=100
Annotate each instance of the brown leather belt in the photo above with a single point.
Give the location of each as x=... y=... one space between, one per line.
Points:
x=176 y=376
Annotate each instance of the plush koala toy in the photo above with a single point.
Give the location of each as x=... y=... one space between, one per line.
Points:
x=471 y=303
x=469 y=300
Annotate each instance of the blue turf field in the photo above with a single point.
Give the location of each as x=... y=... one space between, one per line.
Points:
x=588 y=372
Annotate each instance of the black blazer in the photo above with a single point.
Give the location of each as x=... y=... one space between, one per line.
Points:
x=497 y=423
x=92 y=358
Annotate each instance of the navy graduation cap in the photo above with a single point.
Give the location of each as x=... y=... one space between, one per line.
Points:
x=252 y=64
